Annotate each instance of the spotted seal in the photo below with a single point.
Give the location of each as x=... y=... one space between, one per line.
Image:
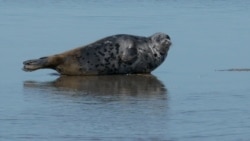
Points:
x=117 y=54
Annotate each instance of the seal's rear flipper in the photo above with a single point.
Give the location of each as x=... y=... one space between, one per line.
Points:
x=34 y=64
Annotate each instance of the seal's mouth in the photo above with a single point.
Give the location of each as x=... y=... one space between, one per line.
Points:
x=167 y=42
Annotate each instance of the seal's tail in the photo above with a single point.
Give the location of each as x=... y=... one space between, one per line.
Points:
x=34 y=64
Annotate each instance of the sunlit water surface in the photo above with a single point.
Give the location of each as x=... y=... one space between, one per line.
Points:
x=183 y=99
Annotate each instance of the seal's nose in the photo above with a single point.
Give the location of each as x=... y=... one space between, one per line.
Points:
x=168 y=37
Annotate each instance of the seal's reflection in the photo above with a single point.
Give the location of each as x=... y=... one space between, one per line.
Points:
x=132 y=85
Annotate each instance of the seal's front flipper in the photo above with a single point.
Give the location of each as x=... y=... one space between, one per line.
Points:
x=34 y=64
x=129 y=55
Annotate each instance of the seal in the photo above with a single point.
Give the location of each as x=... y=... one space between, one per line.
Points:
x=117 y=54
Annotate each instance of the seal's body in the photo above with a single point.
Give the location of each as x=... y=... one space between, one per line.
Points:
x=117 y=54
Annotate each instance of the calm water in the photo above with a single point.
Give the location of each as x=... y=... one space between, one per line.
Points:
x=184 y=99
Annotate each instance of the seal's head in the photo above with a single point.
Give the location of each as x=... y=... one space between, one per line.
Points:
x=161 y=42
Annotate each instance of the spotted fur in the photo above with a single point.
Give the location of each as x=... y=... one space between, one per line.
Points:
x=117 y=54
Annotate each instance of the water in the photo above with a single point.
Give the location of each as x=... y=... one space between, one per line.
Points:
x=184 y=99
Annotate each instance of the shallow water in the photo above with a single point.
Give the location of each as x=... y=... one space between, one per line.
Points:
x=183 y=99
